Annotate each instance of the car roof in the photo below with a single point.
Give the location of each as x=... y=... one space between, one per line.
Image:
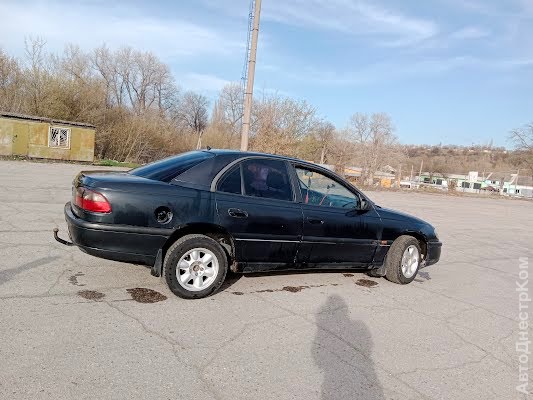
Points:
x=244 y=154
x=202 y=175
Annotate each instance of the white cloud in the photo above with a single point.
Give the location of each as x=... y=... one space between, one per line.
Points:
x=470 y=32
x=376 y=73
x=353 y=17
x=203 y=82
x=92 y=24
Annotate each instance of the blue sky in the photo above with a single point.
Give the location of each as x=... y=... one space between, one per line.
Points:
x=450 y=71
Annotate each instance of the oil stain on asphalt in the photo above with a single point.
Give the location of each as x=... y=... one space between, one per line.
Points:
x=91 y=295
x=144 y=295
x=366 y=283
x=294 y=289
x=74 y=279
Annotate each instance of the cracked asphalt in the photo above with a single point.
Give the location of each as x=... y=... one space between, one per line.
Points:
x=70 y=328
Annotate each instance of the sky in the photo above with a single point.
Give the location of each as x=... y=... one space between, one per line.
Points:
x=446 y=71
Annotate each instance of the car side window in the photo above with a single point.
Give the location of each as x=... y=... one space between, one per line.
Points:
x=231 y=181
x=319 y=190
x=266 y=178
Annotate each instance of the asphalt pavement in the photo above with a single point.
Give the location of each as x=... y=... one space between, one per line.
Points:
x=77 y=327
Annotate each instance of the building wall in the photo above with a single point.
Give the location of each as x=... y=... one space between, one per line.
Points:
x=30 y=138
x=6 y=138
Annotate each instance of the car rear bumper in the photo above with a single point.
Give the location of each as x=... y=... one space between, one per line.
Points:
x=116 y=242
x=433 y=252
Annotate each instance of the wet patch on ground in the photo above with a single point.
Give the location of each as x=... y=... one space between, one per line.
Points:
x=238 y=293
x=144 y=295
x=366 y=283
x=74 y=279
x=347 y=275
x=91 y=295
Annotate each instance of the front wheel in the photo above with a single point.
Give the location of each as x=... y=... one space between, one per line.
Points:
x=403 y=260
x=195 y=266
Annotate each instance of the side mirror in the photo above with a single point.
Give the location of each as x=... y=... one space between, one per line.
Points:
x=364 y=205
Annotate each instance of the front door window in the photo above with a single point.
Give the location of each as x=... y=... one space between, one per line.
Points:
x=319 y=190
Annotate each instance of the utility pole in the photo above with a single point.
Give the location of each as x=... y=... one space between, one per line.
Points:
x=398 y=183
x=248 y=94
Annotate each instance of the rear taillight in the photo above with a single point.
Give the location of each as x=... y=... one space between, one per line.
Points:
x=92 y=201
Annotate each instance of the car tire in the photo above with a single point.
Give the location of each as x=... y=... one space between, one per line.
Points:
x=375 y=273
x=195 y=266
x=403 y=260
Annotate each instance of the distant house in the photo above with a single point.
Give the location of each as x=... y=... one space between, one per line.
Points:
x=38 y=137
x=473 y=183
x=381 y=178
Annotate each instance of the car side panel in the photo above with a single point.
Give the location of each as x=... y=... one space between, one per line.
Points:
x=333 y=235
x=132 y=228
x=267 y=232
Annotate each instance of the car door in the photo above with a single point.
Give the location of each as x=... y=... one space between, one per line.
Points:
x=335 y=231
x=256 y=203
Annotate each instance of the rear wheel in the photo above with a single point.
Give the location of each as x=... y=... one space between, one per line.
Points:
x=403 y=260
x=195 y=266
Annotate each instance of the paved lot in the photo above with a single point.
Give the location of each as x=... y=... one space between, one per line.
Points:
x=449 y=335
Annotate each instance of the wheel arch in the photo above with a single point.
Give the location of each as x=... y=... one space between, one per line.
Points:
x=214 y=231
x=422 y=241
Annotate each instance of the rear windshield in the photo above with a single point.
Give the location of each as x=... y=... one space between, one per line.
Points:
x=168 y=168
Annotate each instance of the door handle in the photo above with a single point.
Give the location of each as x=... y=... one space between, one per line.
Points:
x=315 y=221
x=237 y=213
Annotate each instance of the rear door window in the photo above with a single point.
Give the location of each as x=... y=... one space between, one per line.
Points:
x=231 y=181
x=267 y=178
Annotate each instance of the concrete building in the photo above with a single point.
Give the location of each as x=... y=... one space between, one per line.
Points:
x=37 y=137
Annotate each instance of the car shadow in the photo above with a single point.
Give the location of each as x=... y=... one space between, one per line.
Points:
x=306 y=271
x=231 y=279
x=234 y=277
x=342 y=349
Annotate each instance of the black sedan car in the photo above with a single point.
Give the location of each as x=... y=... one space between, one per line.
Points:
x=194 y=216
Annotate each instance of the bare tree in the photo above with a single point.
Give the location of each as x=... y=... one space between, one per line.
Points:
x=11 y=94
x=37 y=75
x=342 y=151
x=324 y=135
x=279 y=124
x=376 y=144
x=522 y=138
x=192 y=115
x=106 y=66
x=227 y=112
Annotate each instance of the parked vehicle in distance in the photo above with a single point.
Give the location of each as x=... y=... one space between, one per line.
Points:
x=194 y=216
